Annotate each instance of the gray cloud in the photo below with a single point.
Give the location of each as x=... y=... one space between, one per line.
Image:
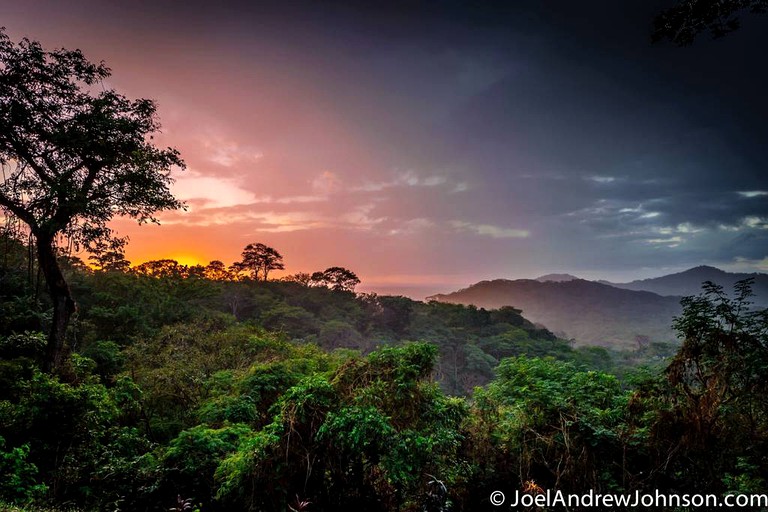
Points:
x=485 y=139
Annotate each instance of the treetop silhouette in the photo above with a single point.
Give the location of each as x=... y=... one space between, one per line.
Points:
x=683 y=22
x=74 y=154
x=259 y=260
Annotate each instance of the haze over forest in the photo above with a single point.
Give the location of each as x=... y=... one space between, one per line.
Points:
x=616 y=315
x=430 y=147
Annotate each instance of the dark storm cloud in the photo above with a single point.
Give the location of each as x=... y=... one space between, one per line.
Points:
x=646 y=148
x=512 y=135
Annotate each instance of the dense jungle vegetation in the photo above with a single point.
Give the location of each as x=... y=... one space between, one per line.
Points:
x=186 y=388
x=164 y=387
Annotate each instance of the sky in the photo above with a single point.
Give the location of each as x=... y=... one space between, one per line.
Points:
x=427 y=145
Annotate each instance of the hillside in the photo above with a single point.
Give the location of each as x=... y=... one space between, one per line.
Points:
x=689 y=282
x=557 y=278
x=590 y=313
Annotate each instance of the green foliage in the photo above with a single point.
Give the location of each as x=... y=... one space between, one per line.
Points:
x=358 y=431
x=126 y=308
x=28 y=345
x=89 y=457
x=5 y=507
x=290 y=319
x=715 y=391
x=73 y=156
x=365 y=435
x=22 y=310
x=557 y=425
x=339 y=334
x=193 y=456
x=216 y=372
x=228 y=408
x=188 y=391
x=18 y=477
x=107 y=356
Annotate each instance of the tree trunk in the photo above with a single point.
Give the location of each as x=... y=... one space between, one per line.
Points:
x=63 y=304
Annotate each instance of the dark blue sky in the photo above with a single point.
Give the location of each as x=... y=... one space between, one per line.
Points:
x=432 y=144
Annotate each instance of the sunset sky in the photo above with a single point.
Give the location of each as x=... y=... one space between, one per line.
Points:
x=429 y=145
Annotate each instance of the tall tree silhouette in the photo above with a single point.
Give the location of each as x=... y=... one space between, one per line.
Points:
x=259 y=260
x=74 y=154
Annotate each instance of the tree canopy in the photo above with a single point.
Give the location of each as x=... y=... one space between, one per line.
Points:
x=190 y=388
x=336 y=278
x=259 y=260
x=683 y=22
x=74 y=154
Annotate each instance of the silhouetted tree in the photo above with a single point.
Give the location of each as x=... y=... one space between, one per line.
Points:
x=161 y=268
x=259 y=260
x=196 y=270
x=686 y=20
x=217 y=271
x=108 y=255
x=336 y=278
x=303 y=278
x=74 y=154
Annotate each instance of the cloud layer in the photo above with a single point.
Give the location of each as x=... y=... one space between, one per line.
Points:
x=442 y=144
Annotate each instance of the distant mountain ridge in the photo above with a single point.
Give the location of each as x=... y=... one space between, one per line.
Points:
x=602 y=312
x=591 y=313
x=689 y=282
x=556 y=278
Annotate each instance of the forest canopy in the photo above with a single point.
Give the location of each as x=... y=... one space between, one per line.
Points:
x=217 y=387
x=185 y=389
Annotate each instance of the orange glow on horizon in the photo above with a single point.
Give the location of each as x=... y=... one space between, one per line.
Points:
x=188 y=260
